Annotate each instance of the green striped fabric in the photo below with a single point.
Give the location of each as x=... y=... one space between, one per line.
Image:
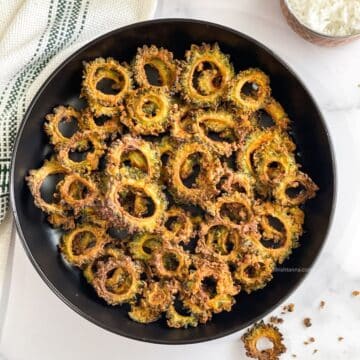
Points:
x=65 y=22
x=35 y=36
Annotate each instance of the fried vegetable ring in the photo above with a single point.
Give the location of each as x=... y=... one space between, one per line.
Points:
x=148 y=111
x=178 y=225
x=249 y=100
x=204 y=187
x=217 y=129
x=277 y=113
x=239 y=182
x=205 y=75
x=110 y=127
x=156 y=299
x=100 y=69
x=177 y=320
x=182 y=121
x=170 y=261
x=280 y=229
x=116 y=202
x=90 y=269
x=209 y=288
x=270 y=332
x=77 y=191
x=142 y=245
x=61 y=114
x=35 y=180
x=83 y=244
x=118 y=280
x=255 y=140
x=273 y=163
x=135 y=152
x=234 y=209
x=160 y=60
x=80 y=142
x=254 y=270
x=218 y=238
x=295 y=189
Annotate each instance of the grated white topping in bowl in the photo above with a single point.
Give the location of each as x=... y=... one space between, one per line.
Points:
x=330 y=17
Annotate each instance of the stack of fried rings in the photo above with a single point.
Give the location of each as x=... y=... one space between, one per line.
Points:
x=176 y=153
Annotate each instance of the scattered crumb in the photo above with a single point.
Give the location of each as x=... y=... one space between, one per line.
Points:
x=315 y=351
x=289 y=308
x=276 y=320
x=307 y=322
x=322 y=304
x=340 y=338
x=355 y=293
x=310 y=340
x=293 y=355
x=283 y=313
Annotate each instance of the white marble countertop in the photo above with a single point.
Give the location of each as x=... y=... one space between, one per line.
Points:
x=39 y=326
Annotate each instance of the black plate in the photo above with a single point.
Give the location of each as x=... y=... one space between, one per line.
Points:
x=63 y=87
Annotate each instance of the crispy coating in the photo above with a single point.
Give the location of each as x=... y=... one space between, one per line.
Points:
x=268 y=331
x=220 y=238
x=207 y=66
x=160 y=60
x=35 y=180
x=156 y=299
x=109 y=128
x=78 y=191
x=83 y=244
x=278 y=239
x=60 y=114
x=176 y=193
x=81 y=141
x=209 y=288
x=234 y=209
x=118 y=280
x=147 y=111
x=177 y=320
x=170 y=261
x=143 y=244
x=100 y=69
x=302 y=185
x=116 y=204
x=254 y=270
x=138 y=153
x=178 y=225
x=218 y=129
x=204 y=187
x=249 y=100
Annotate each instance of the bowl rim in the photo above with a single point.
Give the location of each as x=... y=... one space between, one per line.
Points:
x=17 y=143
x=318 y=33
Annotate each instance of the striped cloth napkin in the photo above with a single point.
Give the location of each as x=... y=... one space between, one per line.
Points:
x=35 y=37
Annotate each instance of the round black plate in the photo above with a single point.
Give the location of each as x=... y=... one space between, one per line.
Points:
x=63 y=87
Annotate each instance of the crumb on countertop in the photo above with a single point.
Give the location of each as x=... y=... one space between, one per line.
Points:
x=340 y=338
x=355 y=293
x=322 y=304
x=289 y=308
x=276 y=320
x=307 y=322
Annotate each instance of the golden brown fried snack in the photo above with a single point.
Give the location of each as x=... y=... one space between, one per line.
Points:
x=178 y=193
x=205 y=75
x=261 y=330
x=162 y=61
